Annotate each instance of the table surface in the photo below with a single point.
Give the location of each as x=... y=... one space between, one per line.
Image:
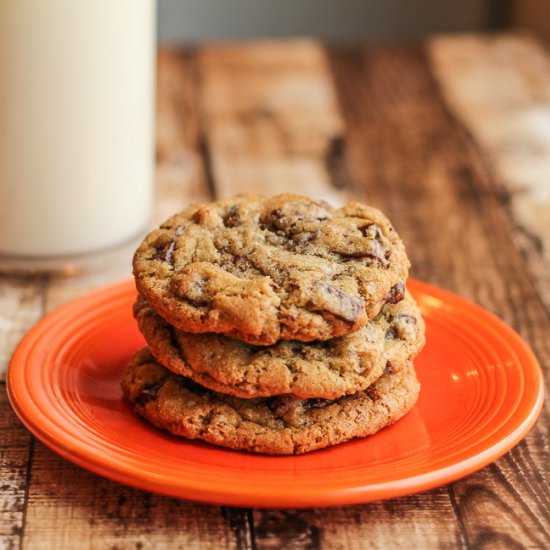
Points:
x=451 y=138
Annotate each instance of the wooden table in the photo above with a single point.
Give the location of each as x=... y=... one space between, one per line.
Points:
x=452 y=139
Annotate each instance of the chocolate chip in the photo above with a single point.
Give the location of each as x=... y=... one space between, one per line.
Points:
x=290 y=409
x=372 y=231
x=402 y=326
x=149 y=394
x=274 y=223
x=405 y=326
x=369 y=249
x=232 y=218
x=396 y=294
x=166 y=252
x=328 y=297
x=196 y=294
x=317 y=403
x=373 y=247
x=404 y=317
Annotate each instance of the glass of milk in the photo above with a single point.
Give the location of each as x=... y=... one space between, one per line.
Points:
x=76 y=129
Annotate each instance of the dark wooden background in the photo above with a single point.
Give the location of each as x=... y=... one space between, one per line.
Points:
x=451 y=138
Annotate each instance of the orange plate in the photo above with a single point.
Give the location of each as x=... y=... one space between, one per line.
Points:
x=481 y=393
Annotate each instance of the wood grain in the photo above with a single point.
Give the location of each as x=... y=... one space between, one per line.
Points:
x=180 y=175
x=510 y=127
x=270 y=119
x=62 y=289
x=15 y=455
x=462 y=241
x=380 y=525
x=533 y=15
x=499 y=88
x=69 y=507
x=21 y=306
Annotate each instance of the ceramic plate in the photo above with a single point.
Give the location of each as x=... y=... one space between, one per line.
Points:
x=481 y=393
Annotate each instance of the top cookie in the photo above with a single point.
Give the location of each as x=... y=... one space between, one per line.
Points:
x=263 y=269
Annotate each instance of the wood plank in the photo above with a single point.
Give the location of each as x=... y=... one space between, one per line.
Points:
x=506 y=505
x=62 y=289
x=21 y=306
x=69 y=507
x=22 y=303
x=499 y=88
x=15 y=450
x=404 y=523
x=533 y=15
x=180 y=173
x=271 y=120
x=413 y=158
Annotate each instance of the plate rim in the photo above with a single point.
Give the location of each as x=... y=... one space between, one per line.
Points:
x=264 y=497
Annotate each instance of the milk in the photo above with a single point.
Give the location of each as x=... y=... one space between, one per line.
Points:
x=76 y=124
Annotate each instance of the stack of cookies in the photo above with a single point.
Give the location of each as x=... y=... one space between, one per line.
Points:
x=274 y=325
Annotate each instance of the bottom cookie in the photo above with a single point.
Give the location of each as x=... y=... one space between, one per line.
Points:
x=271 y=425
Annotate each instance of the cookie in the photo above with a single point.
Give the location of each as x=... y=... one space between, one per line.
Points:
x=263 y=269
x=273 y=425
x=326 y=369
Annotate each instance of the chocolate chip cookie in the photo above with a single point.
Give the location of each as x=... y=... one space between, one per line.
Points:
x=327 y=369
x=273 y=425
x=263 y=269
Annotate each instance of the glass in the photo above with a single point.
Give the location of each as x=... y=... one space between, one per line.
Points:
x=76 y=129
